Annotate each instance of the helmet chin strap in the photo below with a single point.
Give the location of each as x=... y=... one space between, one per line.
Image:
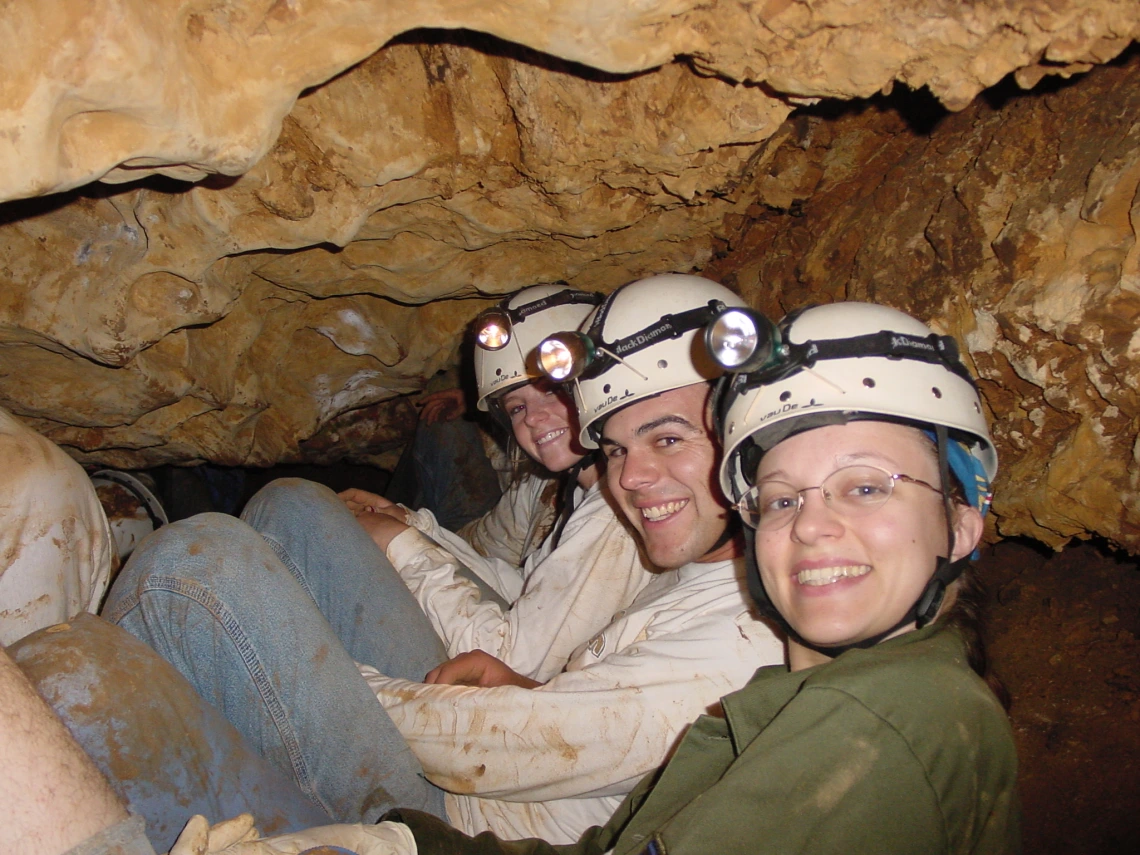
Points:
x=925 y=608
x=567 y=497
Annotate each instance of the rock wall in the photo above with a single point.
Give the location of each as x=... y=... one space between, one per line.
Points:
x=363 y=188
x=1011 y=224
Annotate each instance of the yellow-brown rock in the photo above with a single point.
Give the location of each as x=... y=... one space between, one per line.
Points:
x=1011 y=224
x=368 y=175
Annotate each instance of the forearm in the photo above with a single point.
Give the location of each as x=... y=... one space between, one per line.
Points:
x=53 y=795
x=581 y=735
x=454 y=605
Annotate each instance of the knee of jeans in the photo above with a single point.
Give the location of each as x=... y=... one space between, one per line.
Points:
x=194 y=547
x=285 y=494
x=82 y=668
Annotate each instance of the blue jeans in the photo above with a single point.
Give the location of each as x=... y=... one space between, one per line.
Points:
x=165 y=752
x=265 y=616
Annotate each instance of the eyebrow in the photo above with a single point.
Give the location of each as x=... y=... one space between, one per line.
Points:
x=648 y=427
x=671 y=419
x=859 y=457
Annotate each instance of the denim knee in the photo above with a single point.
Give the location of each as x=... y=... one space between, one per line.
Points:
x=288 y=496
x=193 y=548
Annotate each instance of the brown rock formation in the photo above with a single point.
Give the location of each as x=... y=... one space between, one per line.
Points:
x=1011 y=224
x=284 y=304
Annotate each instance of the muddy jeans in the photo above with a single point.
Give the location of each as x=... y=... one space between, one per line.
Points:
x=266 y=617
x=124 y=838
x=165 y=752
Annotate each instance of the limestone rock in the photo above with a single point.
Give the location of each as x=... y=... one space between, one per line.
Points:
x=364 y=186
x=1013 y=227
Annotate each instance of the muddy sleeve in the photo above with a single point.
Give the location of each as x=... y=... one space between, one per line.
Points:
x=570 y=593
x=590 y=732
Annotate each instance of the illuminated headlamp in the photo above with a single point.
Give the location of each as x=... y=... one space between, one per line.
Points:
x=493 y=330
x=565 y=355
x=742 y=341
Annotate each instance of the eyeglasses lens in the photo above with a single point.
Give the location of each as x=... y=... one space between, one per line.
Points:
x=851 y=491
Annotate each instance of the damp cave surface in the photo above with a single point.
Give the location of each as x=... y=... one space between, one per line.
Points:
x=1064 y=631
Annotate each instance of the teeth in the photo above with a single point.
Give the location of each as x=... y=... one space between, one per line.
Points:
x=554 y=434
x=659 y=512
x=828 y=575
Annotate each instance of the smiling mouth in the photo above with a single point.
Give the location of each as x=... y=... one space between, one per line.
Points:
x=660 y=512
x=550 y=437
x=830 y=575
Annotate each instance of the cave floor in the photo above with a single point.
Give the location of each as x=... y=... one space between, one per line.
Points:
x=1065 y=640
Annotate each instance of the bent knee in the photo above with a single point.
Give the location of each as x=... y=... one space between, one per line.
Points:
x=289 y=495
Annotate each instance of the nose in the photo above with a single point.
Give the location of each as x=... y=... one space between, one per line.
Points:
x=816 y=518
x=637 y=470
x=537 y=412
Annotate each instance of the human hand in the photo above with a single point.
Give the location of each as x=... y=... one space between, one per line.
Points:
x=237 y=836
x=361 y=501
x=442 y=406
x=383 y=526
x=478 y=668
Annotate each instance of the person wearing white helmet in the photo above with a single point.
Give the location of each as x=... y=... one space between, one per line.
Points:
x=274 y=618
x=860 y=462
x=443 y=449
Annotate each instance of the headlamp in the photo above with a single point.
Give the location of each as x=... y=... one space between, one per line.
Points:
x=565 y=355
x=493 y=330
x=743 y=341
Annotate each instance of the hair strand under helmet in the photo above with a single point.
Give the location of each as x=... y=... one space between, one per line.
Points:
x=849 y=361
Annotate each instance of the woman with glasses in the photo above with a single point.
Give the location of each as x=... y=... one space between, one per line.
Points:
x=860 y=461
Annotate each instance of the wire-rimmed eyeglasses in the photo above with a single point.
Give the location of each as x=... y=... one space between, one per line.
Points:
x=852 y=491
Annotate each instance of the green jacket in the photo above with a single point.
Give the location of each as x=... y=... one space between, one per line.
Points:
x=896 y=749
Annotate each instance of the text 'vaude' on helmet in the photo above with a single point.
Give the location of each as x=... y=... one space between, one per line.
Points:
x=834 y=363
x=645 y=339
x=506 y=337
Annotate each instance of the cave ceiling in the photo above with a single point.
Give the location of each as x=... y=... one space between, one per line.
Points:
x=246 y=231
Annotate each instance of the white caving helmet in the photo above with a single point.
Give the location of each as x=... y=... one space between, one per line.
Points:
x=506 y=337
x=831 y=364
x=645 y=339
x=834 y=364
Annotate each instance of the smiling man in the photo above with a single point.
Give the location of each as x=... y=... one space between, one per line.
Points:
x=559 y=756
x=659 y=455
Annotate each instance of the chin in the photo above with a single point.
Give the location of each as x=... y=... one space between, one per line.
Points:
x=559 y=461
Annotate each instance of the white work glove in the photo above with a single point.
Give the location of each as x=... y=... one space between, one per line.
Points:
x=238 y=836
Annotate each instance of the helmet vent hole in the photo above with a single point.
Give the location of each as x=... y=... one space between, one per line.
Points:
x=662 y=364
x=869 y=382
x=498 y=372
x=937 y=392
x=785 y=395
x=606 y=389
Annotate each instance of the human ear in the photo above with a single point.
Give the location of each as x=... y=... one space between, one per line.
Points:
x=968 y=528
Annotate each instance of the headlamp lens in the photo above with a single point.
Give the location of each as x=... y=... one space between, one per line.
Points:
x=732 y=339
x=564 y=356
x=494 y=331
x=741 y=340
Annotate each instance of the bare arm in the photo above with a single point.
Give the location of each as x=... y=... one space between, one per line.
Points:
x=54 y=798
